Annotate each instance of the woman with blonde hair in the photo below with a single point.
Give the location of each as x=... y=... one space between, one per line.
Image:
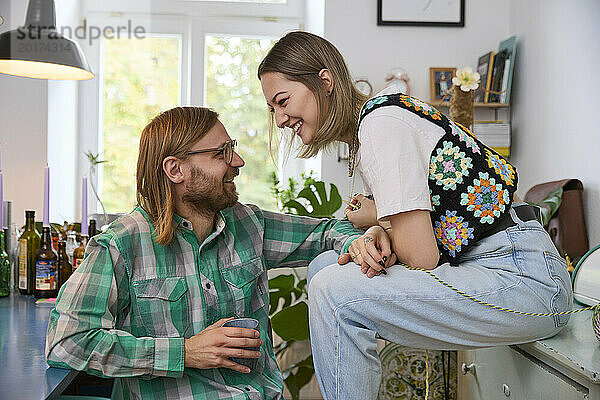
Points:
x=446 y=202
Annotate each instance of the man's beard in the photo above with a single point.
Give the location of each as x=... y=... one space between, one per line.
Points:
x=209 y=195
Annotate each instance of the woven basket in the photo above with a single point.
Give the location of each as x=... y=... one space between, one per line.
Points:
x=461 y=107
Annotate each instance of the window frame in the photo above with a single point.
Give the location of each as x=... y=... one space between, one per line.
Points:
x=293 y=9
x=202 y=19
x=92 y=92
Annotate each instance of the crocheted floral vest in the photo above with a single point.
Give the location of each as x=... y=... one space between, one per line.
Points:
x=471 y=186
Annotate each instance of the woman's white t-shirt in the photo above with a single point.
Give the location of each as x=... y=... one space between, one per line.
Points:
x=395 y=150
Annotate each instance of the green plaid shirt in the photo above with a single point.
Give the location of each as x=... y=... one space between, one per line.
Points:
x=126 y=310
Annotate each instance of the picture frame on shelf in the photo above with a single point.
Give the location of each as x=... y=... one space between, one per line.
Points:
x=440 y=83
x=449 y=13
x=485 y=67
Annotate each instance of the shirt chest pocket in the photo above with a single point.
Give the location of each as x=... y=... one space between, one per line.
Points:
x=248 y=285
x=161 y=309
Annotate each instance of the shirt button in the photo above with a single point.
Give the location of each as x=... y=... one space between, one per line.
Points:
x=208 y=285
x=247 y=388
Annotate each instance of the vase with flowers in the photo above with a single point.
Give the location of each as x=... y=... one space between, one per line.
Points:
x=461 y=103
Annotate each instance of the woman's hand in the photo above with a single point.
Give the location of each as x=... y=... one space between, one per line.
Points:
x=372 y=251
x=363 y=217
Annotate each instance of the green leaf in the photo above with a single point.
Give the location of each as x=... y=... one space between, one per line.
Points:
x=321 y=206
x=291 y=205
x=282 y=287
x=299 y=379
x=549 y=205
x=291 y=323
x=306 y=363
x=302 y=285
x=93 y=158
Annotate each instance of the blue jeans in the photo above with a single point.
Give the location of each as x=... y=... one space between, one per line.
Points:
x=518 y=268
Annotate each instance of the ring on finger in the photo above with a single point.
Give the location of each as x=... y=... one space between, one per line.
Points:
x=368 y=239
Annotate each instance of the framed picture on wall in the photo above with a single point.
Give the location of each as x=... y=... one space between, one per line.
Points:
x=440 y=81
x=421 y=12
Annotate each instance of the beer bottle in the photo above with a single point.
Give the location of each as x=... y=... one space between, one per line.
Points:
x=64 y=266
x=29 y=243
x=46 y=268
x=55 y=239
x=92 y=231
x=79 y=252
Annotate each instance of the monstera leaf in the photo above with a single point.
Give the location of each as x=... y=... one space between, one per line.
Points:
x=322 y=207
x=289 y=322
x=298 y=375
x=282 y=287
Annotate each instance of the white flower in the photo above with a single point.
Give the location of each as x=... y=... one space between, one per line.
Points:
x=466 y=79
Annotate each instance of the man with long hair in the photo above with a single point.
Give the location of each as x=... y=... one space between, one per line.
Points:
x=149 y=300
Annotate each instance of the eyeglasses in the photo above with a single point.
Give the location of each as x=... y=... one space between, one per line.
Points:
x=227 y=150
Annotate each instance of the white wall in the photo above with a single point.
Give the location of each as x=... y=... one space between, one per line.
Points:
x=372 y=51
x=555 y=97
x=38 y=126
x=23 y=127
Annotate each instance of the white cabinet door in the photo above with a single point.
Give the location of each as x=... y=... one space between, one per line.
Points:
x=501 y=373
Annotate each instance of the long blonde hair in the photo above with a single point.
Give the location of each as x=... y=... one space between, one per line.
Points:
x=171 y=133
x=300 y=56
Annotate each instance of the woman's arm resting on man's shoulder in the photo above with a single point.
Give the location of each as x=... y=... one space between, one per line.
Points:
x=413 y=239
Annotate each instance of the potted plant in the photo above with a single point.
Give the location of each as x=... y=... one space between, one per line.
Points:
x=288 y=308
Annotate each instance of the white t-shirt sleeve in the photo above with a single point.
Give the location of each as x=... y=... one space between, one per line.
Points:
x=395 y=150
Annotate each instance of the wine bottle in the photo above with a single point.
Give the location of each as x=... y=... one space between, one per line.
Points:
x=46 y=268
x=64 y=266
x=29 y=243
x=92 y=231
x=4 y=267
x=79 y=252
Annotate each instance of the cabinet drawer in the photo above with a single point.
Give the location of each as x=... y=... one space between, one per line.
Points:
x=504 y=373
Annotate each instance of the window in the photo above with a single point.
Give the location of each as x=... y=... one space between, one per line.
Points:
x=233 y=89
x=141 y=79
x=193 y=53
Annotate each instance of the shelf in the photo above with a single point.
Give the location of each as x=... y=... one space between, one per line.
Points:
x=476 y=105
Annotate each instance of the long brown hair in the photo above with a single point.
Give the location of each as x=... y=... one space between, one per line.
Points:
x=300 y=56
x=171 y=133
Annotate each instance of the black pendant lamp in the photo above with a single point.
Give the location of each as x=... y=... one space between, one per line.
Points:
x=38 y=50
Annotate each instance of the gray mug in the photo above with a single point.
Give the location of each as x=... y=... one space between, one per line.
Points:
x=248 y=323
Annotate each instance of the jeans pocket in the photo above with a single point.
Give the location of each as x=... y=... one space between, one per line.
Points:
x=561 y=299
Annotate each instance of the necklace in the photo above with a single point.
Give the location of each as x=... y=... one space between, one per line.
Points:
x=353 y=149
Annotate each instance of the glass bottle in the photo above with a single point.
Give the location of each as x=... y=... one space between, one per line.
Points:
x=29 y=243
x=4 y=268
x=55 y=238
x=46 y=268
x=92 y=231
x=71 y=245
x=64 y=231
x=79 y=252
x=64 y=266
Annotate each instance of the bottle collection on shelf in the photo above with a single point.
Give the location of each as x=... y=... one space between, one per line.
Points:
x=45 y=263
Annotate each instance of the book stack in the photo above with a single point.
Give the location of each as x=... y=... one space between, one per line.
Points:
x=496 y=71
x=494 y=134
